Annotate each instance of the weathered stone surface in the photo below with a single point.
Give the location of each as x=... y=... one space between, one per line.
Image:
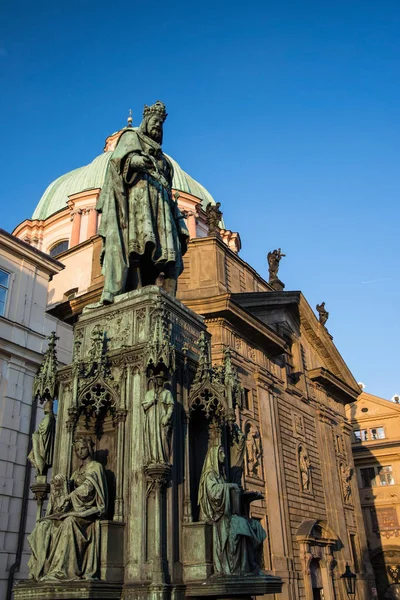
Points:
x=71 y=590
x=197 y=551
x=65 y=543
x=323 y=314
x=274 y=258
x=235 y=587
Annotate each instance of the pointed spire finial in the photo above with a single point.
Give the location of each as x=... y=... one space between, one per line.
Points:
x=130 y=118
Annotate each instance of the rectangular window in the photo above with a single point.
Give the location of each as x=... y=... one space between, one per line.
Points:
x=246 y=399
x=377 y=433
x=366 y=435
x=354 y=552
x=368 y=477
x=380 y=475
x=385 y=475
x=303 y=358
x=4 y=285
x=289 y=364
x=361 y=435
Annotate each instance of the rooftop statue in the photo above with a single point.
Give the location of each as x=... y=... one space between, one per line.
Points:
x=213 y=218
x=274 y=258
x=144 y=233
x=322 y=313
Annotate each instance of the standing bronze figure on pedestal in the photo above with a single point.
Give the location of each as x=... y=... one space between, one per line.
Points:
x=144 y=233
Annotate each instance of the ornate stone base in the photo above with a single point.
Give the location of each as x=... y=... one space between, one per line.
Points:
x=277 y=284
x=197 y=551
x=239 y=588
x=151 y=591
x=68 y=590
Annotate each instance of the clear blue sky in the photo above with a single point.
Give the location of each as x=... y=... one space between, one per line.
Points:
x=287 y=111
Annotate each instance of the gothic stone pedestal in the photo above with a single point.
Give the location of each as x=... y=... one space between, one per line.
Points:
x=101 y=395
x=149 y=549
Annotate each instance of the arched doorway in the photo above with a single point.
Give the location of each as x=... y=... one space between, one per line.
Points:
x=317 y=541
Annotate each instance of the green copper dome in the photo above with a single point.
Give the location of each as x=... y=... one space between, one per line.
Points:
x=92 y=176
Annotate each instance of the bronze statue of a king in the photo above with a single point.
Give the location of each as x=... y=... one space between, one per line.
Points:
x=144 y=233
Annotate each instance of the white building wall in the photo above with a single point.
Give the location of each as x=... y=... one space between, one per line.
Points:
x=23 y=331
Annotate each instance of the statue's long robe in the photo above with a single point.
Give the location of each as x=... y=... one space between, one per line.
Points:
x=69 y=548
x=156 y=435
x=138 y=213
x=236 y=539
x=41 y=454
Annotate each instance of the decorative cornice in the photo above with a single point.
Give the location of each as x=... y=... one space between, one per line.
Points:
x=321 y=340
x=15 y=245
x=335 y=386
x=224 y=306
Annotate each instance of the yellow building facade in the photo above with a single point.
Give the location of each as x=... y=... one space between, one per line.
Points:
x=376 y=453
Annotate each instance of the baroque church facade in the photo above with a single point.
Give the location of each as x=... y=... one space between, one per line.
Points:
x=295 y=384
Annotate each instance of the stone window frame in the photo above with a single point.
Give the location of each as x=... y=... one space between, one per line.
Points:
x=355 y=551
x=377 y=477
x=54 y=246
x=368 y=437
x=247 y=393
x=6 y=289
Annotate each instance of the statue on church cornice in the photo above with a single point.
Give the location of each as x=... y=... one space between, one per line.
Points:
x=322 y=313
x=213 y=218
x=144 y=233
x=274 y=258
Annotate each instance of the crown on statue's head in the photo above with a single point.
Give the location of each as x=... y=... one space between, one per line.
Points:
x=157 y=109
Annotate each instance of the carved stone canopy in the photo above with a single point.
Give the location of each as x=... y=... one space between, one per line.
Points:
x=215 y=389
x=160 y=352
x=45 y=382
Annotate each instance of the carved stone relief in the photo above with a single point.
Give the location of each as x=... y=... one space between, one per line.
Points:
x=298 y=425
x=253 y=450
x=141 y=324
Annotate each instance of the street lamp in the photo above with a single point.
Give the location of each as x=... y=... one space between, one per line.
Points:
x=350 y=581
